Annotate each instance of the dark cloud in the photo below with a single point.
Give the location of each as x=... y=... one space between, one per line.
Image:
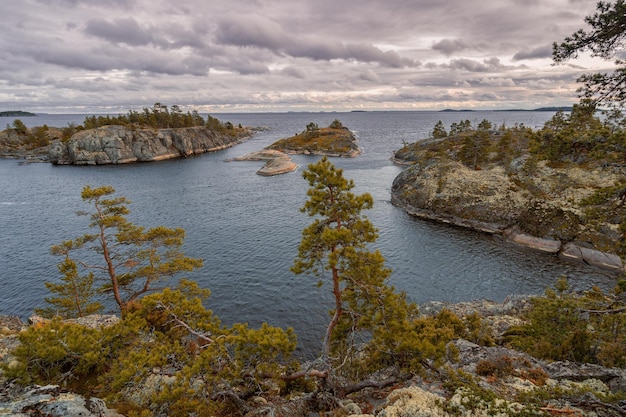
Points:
x=488 y=65
x=258 y=32
x=294 y=72
x=537 y=53
x=450 y=46
x=125 y=30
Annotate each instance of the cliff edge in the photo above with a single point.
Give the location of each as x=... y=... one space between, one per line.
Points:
x=115 y=144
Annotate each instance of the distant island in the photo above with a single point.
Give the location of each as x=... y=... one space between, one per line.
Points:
x=564 y=108
x=16 y=113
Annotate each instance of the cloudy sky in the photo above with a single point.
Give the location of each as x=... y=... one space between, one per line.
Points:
x=77 y=56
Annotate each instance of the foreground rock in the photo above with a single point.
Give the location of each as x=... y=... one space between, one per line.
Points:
x=49 y=401
x=564 y=388
x=121 y=145
x=276 y=162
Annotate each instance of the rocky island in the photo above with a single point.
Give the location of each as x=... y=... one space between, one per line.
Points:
x=334 y=140
x=121 y=145
x=151 y=135
x=558 y=190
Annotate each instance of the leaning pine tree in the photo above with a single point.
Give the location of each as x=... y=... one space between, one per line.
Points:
x=129 y=260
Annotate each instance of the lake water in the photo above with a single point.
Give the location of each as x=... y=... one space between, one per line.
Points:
x=247 y=227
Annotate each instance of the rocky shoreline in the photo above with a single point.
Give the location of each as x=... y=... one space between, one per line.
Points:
x=424 y=394
x=121 y=145
x=333 y=142
x=568 y=251
x=523 y=200
x=276 y=162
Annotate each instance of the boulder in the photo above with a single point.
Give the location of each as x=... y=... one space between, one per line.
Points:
x=49 y=401
x=592 y=257
x=533 y=242
x=614 y=378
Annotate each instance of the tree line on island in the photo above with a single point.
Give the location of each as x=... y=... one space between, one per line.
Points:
x=160 y=116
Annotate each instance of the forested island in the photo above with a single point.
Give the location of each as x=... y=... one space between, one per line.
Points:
x=559 y=189
x=140 y=136
x=16 y=113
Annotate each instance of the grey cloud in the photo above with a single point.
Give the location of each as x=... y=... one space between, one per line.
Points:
x=75 y=3
x=272 y=54
x=537 y=53
x=468 y=65
x=257 y=32
x=125 y=30
x=492 y=64
x=369 y=76
x=253 y=31
x=450 y=46
x=294 y=72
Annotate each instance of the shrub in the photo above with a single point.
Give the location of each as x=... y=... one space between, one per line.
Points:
x=589 y=327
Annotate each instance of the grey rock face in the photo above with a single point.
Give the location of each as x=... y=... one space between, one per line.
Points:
x=50 y=401
x=121 y=145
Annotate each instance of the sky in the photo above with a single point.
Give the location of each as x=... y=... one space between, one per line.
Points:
x=109 y=56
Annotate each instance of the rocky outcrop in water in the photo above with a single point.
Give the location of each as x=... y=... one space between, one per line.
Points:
x=121 y=145
x=276 y=162
x=335 y=140
x=527 y=202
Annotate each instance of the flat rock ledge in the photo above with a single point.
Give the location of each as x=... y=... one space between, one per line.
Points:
x=276 y=162
x=568 y=251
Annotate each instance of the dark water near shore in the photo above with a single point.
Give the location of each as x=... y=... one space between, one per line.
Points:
x=247 y=227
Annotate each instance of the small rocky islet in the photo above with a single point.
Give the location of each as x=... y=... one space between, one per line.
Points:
x=335 y=140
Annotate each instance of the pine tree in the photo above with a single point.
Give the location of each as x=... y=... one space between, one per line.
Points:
x=74 y=296
x=133 y=258
x=337 y=241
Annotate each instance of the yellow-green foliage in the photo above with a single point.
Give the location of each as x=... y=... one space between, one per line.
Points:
x=590 y=327
x=170 y=336
x=62 y=353
x=333 y=139
x=131 y=258
x=73 y=297
x=606 y=205
x=473 y=147
x=581 y=137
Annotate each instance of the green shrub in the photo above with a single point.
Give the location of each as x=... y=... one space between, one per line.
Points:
x=589 y=327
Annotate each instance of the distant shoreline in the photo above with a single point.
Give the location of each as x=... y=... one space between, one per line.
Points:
x=537 y=109
x=16 y=113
